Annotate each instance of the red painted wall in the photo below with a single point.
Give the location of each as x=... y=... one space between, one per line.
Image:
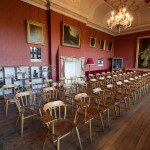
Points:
x=125 y=46
x=14 y=49
x=85 y=51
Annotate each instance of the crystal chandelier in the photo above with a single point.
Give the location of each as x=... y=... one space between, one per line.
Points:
x=121 y=20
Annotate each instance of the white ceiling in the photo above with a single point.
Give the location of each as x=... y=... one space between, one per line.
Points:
x=95 y=13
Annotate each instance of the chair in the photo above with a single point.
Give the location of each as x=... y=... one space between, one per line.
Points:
x=81 y=86
x=100 y=101
x=27 y=106
x=56 y=123
x=85 y=112
x=48 y=82
x=9 y=92
x=50 y=94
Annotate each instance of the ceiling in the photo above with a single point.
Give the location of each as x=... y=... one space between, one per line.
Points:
x=95 y=13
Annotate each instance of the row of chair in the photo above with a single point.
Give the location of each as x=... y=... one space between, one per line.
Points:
x=90 y=99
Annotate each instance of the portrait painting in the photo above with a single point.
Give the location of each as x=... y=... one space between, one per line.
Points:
x=109 y=46
x=71 y=35
x=100 y=62
x=35 y=32
x=102 y=44
x=143 y=52
x=92 y=41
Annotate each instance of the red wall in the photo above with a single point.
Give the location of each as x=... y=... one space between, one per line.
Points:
x=14 y=49
x=85 y=50
x=125 y=46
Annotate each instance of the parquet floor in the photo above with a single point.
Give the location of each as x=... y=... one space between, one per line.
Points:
x=131 y=131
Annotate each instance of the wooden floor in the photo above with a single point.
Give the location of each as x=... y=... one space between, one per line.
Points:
x=131 y=131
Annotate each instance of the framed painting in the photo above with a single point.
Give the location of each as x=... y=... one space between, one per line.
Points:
x=109 y=46
x=143 y=52
x=100 y=62
x=35 y=32
x=92 y=41
x=71 y=35
x=102 y=44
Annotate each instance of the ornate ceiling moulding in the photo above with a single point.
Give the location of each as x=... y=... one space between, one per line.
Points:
x=43 y=4
x=66 y=10
x=135 y=30
x=132 y=5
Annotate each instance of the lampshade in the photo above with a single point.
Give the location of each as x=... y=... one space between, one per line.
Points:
x=90 y=61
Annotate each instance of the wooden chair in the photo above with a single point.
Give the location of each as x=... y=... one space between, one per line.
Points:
x=48 y=82
x=9 y=92
x=27 y=106
x=50 y=94
x=56 y=123
x=85 y=112
x=100 y=101
x=80 y=86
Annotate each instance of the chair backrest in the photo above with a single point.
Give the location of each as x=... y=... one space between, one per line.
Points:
x=82 y=97
x=50 y=94
x=97 y=90
x=25 y=99
x=49 y=89
x=9 y=89
x=48 y=82
x=57 y=109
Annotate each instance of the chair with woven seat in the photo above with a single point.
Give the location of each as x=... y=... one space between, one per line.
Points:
x=86 y=112
x=27 y=106
x=54 y=120
x=9 y=92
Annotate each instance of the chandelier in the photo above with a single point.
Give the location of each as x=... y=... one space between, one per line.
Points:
x=121 y=20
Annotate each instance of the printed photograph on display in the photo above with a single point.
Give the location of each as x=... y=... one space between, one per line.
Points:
x=35 y=54
x=100 y=62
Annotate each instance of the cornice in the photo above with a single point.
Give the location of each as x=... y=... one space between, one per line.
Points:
x=136 y=29
x=38 y=3
x=66 y=10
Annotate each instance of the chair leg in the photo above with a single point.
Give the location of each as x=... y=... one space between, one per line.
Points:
x=22 y=124
x=115 y=111
x=75 y=118
x=17 y=120
x=125 y=103
x=108 y=117
x=44 y=142
x=58 y=143
x=101 y=121
x=77 y=131
x=6 y=108
x=90 y=129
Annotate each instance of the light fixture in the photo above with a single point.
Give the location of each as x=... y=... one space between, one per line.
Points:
x=121 y=20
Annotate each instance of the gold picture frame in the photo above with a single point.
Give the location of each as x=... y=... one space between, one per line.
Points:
x=92 y=41
x=109 y=46
x=35 y=32
x=102 y=44
x=71 y=35
x=143 y=52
